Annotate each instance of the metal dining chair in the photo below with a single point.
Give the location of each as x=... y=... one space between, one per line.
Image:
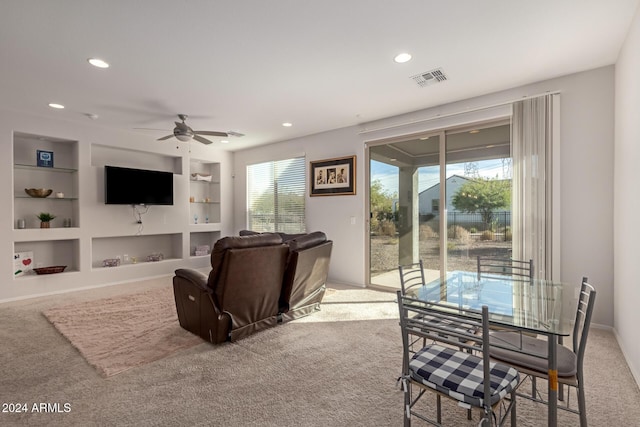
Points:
x=529 y=355
x=443 y=367
x=505 y=266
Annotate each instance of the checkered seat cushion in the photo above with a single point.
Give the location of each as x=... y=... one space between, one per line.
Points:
x=460 y=376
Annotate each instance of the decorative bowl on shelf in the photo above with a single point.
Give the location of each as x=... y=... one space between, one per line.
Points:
x=111 y=262
x=50 y=270
x=154 y=257
x=38 y=192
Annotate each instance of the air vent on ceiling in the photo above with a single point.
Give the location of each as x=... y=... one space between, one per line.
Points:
x=430 y=77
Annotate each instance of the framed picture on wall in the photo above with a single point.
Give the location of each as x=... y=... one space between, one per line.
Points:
x=44 y=158
x=333 y=177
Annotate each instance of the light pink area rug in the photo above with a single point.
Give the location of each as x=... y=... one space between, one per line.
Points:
x=120 y=333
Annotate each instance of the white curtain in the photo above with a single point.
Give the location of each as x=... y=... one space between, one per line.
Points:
x=533 y=181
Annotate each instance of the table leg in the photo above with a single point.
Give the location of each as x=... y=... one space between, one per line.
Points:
x=552 y=420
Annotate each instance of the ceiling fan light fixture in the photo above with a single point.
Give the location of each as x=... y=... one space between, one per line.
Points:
x=183 y=138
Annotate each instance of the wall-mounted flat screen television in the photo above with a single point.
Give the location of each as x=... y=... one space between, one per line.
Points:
x=126 y=186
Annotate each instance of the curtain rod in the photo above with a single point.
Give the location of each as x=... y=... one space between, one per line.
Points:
x=441 y=116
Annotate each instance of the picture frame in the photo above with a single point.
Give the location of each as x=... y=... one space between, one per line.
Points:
x=44 y=159
x=333 y=177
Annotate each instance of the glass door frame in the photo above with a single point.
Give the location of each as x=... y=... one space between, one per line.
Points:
x=442 y=134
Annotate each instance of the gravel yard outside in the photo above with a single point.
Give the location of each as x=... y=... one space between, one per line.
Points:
x=462 y=256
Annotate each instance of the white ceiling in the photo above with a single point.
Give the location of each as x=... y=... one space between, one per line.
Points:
x=250 y=65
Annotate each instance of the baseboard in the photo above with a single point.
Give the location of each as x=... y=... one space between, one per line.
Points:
x=82 y=288
x=632 y=368
x=335 y=283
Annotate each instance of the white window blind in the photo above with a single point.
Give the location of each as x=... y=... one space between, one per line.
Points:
x=276 y=193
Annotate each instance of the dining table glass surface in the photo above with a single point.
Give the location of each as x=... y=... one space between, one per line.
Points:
x=541 y=306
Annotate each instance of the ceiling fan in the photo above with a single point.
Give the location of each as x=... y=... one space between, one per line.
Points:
x=184 y=133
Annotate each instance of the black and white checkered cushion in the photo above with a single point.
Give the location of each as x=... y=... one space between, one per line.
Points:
x=459 y=374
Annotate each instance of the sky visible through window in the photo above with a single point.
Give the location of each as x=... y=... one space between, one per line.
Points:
x=429 y=176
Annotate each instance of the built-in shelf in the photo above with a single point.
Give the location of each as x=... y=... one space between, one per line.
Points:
x=43 y=169
x=202 y=238
x=58 y=245
x=61 y=199
x=48 y=253
x=139 y=247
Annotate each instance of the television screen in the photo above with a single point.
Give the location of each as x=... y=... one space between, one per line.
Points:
x=125 y=186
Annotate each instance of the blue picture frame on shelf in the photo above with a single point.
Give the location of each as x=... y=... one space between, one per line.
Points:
x=44 y=158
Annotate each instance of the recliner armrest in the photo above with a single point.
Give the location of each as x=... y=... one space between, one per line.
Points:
x=197 y=278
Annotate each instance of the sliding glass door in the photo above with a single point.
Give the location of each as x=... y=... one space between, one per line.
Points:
x=443 y=198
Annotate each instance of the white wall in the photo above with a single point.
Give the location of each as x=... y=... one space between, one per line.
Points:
x=587 y=132
x=330 y=214
x=95 y=218
x=627 y=198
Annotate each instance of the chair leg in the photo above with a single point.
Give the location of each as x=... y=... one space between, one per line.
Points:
x=582 y=404
x=407 y=403
x=513 y=409
x=438 y=409
x=534 y=390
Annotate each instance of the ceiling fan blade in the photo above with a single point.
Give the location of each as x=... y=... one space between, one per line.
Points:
x=165 y=137
x=201 y=139
x=210 y=132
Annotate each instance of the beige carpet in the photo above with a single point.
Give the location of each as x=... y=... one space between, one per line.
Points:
x=337 y=367
x=116 y=334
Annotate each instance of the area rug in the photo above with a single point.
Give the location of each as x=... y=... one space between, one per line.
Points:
x=120 y=333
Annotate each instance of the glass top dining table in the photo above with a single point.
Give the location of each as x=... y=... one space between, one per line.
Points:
x=539 y=306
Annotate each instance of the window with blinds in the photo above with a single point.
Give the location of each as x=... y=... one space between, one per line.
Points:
x=276 y=193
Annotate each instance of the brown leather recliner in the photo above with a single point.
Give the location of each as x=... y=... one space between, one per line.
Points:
x=306 y=275
x=242 y=293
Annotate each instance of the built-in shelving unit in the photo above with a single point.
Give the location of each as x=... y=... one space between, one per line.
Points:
x=86 y=231
x=58 y=245
x=61 y=177
x=135 y=250
x=204 y=202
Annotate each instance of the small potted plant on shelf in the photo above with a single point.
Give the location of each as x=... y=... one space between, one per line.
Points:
x=45 y=219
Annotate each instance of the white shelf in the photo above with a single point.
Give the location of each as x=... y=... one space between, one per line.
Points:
x=33 y=276
x=137 y=264
x=203 y=228
x=39 y=234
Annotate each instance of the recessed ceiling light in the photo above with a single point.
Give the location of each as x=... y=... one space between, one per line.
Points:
x=393 y=159
x=474 y=131
x=224 y=141
x=287 y=124
x=96 y=62
x=402 y=58
x=54 y=105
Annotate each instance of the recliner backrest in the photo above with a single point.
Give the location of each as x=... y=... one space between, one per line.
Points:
x=307 y=268
x=246 y=277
